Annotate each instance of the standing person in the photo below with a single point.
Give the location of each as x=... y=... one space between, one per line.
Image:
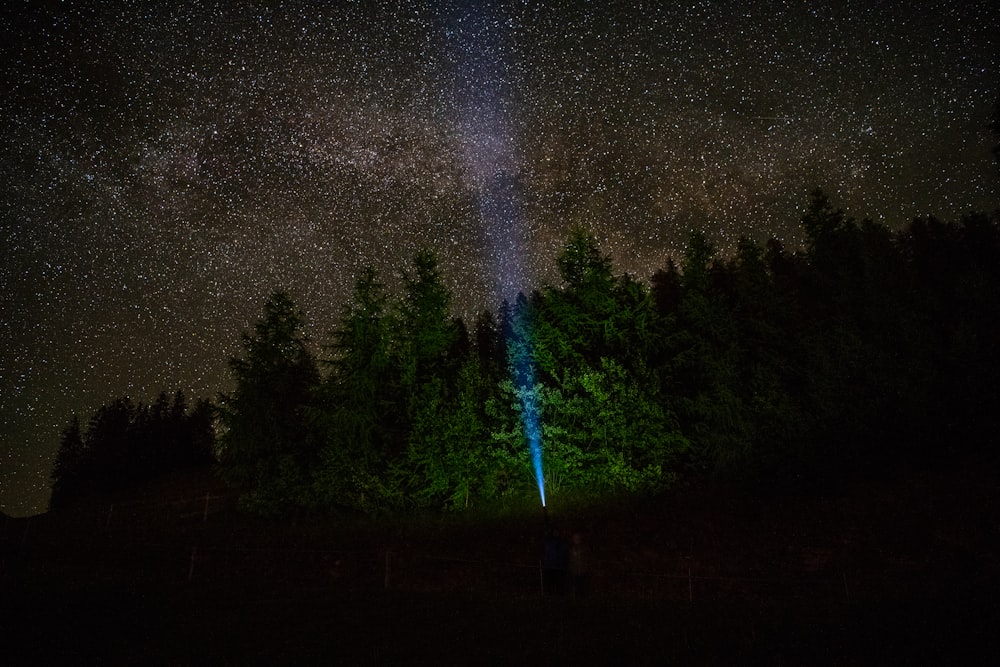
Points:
x=554 y=562
x=577 y=566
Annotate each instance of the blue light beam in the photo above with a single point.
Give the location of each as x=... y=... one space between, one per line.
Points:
x=530 y=417
x=481 y=108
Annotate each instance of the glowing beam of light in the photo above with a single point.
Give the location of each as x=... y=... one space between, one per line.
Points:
x=481 y=109
x=530 y=417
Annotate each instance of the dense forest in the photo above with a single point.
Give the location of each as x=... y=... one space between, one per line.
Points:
x=867 y=348
x=125 y=444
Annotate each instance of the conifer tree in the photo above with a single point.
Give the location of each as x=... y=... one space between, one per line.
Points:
x=358 y=409
x=69 y=473
x=265 y=448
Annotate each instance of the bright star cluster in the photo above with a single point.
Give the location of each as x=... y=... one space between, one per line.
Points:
x=165 y=166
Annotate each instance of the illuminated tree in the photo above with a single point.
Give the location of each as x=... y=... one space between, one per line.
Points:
x=358 y=411
x=446 y=460
x=603 y=425
x=432 y=350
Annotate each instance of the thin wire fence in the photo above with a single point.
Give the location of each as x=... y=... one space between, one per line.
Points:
x=185 y=549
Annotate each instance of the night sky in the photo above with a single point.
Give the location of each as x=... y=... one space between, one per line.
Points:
x=164 y=169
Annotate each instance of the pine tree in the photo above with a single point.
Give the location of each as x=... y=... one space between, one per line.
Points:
x=432 y=351
x=358 y=409
x=70 y=471
x=427 y=332
x=265 y=448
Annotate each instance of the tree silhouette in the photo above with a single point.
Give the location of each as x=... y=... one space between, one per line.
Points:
x=127 y=444
x=69 y=472
x=265 y=449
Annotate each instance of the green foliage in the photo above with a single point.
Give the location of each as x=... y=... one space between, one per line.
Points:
x=603 y=427
x=610 y=433
x=446 y=466
x=356 y=408
x=864 y=348
x=581 y=264
x=432 y=349
x=767 y=366
x=428 y=336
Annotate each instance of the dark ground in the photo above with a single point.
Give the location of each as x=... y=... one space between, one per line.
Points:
x=902 y=570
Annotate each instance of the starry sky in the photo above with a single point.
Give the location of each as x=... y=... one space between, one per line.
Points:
x=165 y=166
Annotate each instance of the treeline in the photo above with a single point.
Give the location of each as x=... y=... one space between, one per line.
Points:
x=865 y=348
x=125 y=444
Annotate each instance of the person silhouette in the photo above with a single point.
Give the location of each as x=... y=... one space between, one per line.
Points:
x=555 y=561
x=577 y=566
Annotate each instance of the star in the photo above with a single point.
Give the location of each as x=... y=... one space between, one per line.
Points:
x=166 y=167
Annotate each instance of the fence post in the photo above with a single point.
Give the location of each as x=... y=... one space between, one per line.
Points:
x=847 y=590
x=388 y=569
x=111 y=511
x=690 y=587
x=204 y=518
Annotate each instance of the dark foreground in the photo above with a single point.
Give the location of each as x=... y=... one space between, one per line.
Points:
x=903 y=571
x=434 y=629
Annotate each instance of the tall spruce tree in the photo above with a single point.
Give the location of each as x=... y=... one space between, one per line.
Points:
x=69 y=473
x=603 y=426
x=427 y=332
x=359 y=412
x=704 y=371
x=265 y=448
x=432 y=351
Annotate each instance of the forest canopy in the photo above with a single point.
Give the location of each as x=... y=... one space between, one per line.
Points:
x=863 y=349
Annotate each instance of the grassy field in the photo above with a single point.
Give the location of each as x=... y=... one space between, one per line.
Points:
x=901 y=570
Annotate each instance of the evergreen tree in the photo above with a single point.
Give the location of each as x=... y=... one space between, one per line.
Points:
x=602 y=424
x=577 y=324
x=702 y=377
x=199 y=435
x=488 y=343
x=359 y=409
x=69 y=473
x=265 y=449
x=667 y=288
x=428 y=334
x=447 y=464
x=766 y=373
x=432 y=352
x=112 y=446
x=126 y=444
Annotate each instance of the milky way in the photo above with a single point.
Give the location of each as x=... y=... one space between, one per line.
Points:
x=164 y=169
